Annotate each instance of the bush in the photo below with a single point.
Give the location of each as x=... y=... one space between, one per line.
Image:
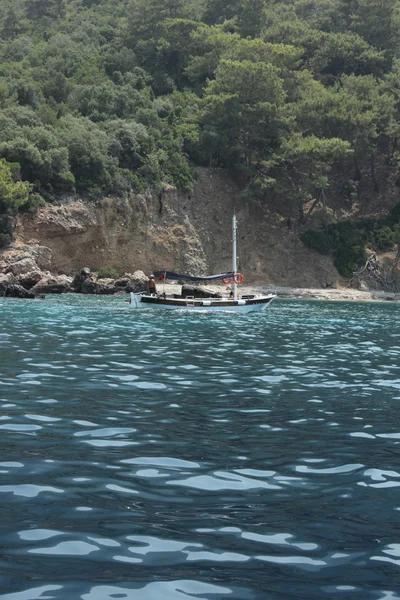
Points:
x=6 y=231
x=348 y=259
x=395 y=213
x=35 y=201
x=384 y=238
x=107 y=273
x=5 y=240
x=317 y=240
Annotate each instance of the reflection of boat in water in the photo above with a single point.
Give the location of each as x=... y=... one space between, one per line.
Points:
x=233 y=303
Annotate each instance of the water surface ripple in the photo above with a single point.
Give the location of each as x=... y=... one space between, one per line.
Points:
x=151 y=455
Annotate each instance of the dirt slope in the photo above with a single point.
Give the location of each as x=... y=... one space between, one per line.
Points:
x=180 y=232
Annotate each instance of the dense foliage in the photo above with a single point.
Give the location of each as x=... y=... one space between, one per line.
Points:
x=111 y=96
x=346 y=241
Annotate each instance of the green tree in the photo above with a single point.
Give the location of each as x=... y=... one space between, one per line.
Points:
x=13 y=194
x=243 y=106
x=218 y=11
x=377 y=21
x=91 y=165
x=146 y=18
x=302 y=166
x=40 y=9
x=361 y=113
x=128 y=142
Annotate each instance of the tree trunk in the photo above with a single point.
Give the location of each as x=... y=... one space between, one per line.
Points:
x=322 y=197
x=394 y=147
x=302 y=219
x=357 y=175
x=313 y=205
x=372 y=166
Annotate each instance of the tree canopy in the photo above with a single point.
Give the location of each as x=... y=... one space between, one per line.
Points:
x=112 y=96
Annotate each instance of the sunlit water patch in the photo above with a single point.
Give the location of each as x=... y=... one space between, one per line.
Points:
x=151 y=455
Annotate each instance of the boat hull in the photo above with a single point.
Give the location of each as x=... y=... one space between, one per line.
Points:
x=241 y=306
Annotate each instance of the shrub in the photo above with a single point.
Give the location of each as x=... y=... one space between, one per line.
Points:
x=317 y=240
x=395 y=213
x=6 y=231
x=35 y=201
x=384 y=238
x=348 y=259
x=107 y=273
x=5 y=240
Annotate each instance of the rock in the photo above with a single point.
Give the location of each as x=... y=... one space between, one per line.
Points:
x=59 y=284
x=28 y=280
x=10 y=288
x=137 y=282
x=122 y=282
x=105 y=281
x=15 y=290
x=136 y=287
x=90 y=286
x=22 y=266
x=7 y=278
x=42 y=256
x=3 y=266
x=80 y=278
x=18 y=254
x=137 y=276
x=198 y=292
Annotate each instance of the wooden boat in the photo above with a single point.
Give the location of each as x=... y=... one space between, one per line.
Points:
x=232 y=303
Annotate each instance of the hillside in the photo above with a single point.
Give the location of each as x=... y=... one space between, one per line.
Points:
x=178 y=231
x=120 y=103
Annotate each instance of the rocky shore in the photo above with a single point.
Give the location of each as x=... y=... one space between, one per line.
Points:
x=25 y=272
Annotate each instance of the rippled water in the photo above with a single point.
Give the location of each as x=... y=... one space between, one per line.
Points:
x=171 y=456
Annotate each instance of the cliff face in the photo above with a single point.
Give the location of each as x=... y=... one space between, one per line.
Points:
x=178 y=231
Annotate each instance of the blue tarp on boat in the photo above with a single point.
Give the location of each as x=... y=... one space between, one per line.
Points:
x=179 y=276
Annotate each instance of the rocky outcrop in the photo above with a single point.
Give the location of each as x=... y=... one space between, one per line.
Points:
x=21 y=276
x=28 y=280
x=85 y=283
x=20 y=265
x=80 y=279
x=137 y=282
x=42 y=256
x=50 y=284
x=24 y=274
x=10 y=288
x=90 y=286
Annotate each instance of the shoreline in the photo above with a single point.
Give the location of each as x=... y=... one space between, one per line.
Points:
x=331 y=294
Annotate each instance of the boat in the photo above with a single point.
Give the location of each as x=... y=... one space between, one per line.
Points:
x=234 y=302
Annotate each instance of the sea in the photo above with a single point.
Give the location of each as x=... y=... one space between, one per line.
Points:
x=150 y=455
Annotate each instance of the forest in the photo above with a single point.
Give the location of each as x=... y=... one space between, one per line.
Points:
x=102 y=97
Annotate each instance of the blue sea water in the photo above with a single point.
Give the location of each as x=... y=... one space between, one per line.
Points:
x=154 y=456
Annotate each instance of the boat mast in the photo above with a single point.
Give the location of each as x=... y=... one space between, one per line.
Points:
x=234 y=259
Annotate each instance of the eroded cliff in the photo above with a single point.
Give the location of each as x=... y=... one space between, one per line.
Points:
x=178 y=231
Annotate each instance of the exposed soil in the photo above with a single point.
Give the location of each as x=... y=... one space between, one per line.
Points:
x=191 y=233
x=181 y=232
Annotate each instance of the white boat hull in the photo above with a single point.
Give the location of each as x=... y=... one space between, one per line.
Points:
x=241 y=306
